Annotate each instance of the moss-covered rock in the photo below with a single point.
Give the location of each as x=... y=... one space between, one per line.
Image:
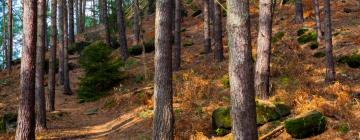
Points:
x=277 y=37
x=352 y=61
x=135 y=50
x=306 y=125
x=319 y=54
x=265 y=112
x=314 y=46
x=188 y=43
x=301 y=31
x=8 y=122
x=308 y=37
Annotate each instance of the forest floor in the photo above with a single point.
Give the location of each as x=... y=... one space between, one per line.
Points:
x=297 y=79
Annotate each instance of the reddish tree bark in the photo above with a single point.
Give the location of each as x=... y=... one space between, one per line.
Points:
x=25 y=129
x=52 y=58
x=122 y=31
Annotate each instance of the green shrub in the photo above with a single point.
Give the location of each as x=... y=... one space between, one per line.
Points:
x=319 y=54
x=302 y=31
x=353 y=61
x=149 y=45
x=77 y=47
x=101 y=72
x=135 y=50
x=314 y=45
x=309 y=37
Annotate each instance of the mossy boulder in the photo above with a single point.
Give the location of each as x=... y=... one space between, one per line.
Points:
x=308 y=37
x=314 y=45
x=8 y=122
x=319 y=54
x=265 y=112
x=149 y=45
x=301 y=31
x=135 y=50
x=277 y=37
x=352 y=61
x=306 y=125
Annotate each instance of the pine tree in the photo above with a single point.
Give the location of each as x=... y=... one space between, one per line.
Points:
x=177 y=37
x=25 y=129
x=330 y=68
x=10 y=35
x=241 y=73
x=217 y=33
x=317 y=20
x=52 y=58
x=207 y=21
x=122 y=31
x=299 y=18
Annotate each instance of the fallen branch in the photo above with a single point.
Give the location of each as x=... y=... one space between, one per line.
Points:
x=277 y=131
x=141 y=89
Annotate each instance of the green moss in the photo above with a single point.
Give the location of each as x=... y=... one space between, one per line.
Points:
x=188 y=43
x=2 y=125
x=265 y=112
x=278 y=36
x=314 y=45
x=225 y=81
x=309 y=37
x=301 y=31
x=319 y=54
x=343 y=127
x=306 y=125
x=353 y=61
x=135 y=50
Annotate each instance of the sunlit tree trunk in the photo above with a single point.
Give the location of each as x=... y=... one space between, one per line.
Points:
x=4 y=31
x=163 y=123
x=25 y=129
x=136 y=23
x=52 y=58
x=122 y=31
x=39 y=76
x=317 y=20
x=177 y=36
x=262 y=69
x=207 y=39
x=71 y=22
x=241 y=73
x=10 y=41
x=330 y=68
x=299 y=18
x=218 y=43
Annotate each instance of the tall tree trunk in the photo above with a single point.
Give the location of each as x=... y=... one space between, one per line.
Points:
x=52 y=58
x=207 y=40
x=218 y=42
x=25 y=129
x=94 y=12
x=61 y=41
x=101 y=12
x=163 y=123
x=77 y=15
x=262 y=68
x=105 y=21
x=136 y=23
x=10 y=32
x=4 y=36
x=80 y=16
x=241 y=71
x=177 y=37
x=39 y=76
x=67 y=89
x=83 y=15
x=122 y=31
x=330 y=68
x=71 y=22
x=299 y=18
x=317 y=20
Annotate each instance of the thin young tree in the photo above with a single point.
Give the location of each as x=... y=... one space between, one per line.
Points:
x=52 y=58
x=262 y=67
x=217 y=33
x=299 y=16
x=25 y=129
x=79 y=18
x=330 y=66
x=177 y=37
x=241 y=73
x=136 y=22
x=40 y=107
x=66 y=85
x=61 y=41
x=71 y=22
x=317 y=20
x=76 y=8
x=10 y=35
x=4 y=30
x=101 y=12
x=163 y=123
x=207 y=21
x=122 y=30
